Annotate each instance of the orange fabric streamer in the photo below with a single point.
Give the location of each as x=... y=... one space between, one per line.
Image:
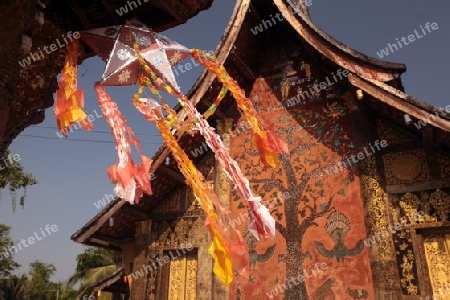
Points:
x=69 y=104
x=268 y=144
x=131 y=179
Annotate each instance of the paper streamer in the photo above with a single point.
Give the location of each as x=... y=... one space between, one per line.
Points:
x=131 y=179
x=268 y=144
x=225 y=251
x=69 y=102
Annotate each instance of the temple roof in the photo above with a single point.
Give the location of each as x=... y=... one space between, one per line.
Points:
x=113 y=283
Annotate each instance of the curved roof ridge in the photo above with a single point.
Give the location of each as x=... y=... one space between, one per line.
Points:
x=402 y=101
x=364 y=65
x=222 y=50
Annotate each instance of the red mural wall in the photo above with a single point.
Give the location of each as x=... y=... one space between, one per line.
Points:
x=314 y=198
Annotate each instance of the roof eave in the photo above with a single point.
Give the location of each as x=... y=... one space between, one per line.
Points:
x=400 y=100
x=338 y=52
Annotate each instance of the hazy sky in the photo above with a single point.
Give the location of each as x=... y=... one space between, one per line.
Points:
x=72 y=174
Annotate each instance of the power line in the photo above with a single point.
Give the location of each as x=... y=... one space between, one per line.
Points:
x=96 y=131
x=80 y=140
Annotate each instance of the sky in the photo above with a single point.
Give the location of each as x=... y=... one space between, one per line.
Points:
x=71 y=172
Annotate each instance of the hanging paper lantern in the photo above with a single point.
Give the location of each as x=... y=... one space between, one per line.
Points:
x=115 y=44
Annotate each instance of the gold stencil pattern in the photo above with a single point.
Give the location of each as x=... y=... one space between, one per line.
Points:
x=382 y=255
x=408 y=280
x=432 y=247
x=172 y=205
x=176 y=279
x=410 y=205
x=392 y=136
x=183 y=278
x=443 y=162
x=441 y=203
x=438 y=260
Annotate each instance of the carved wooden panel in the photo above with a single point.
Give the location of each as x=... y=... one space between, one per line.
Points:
x=171 y=207
x=392 y=135
x=183 y=278
x=437 y=253
x=415 y=244
x=405 y=167
x=443 y=163
x=385 y=274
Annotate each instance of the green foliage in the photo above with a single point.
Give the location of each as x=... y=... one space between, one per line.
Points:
x=67 y=293
x=14 y=178
x=39 y=286
x=93 y=265
x=13 y=287
x=7 y=264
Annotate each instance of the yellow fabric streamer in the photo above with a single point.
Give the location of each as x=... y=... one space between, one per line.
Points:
x=222 y=245
x=222 y=262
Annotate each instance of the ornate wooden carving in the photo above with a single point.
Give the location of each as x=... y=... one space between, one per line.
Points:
x=406 y=167
x=392 y=136
x=386 y=278
x=417 y=244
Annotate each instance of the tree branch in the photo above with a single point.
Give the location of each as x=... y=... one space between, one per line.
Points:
x=281 y=229
x=274 y=182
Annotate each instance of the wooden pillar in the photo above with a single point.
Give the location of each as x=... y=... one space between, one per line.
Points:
x=385 y=276
x=222 y=185
x=142 y=240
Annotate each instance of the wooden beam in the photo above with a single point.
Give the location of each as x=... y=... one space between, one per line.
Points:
x=176 y=9
x=134 y=212
x=420 y=186
x=172 y=174
x=111 y=8
x=108 y=239
x=386 y=94
x=80 y=13
x=110 y=281
x=83 y=237
x=428 y=146
x=247 y=71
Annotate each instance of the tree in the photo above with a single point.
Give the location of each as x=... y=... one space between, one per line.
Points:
x=7 y=264
x=40 y=287
x=305 y=174
x=13 y=287
x=12 y=175
x=93 y=265
x=67 y=293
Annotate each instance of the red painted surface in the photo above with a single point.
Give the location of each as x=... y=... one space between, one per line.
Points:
x=320 y=134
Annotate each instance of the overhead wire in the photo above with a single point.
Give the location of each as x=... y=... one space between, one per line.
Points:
x=96 y=131
x=80 y=140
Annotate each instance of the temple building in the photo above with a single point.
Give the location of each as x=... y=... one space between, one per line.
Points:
x=361 y=202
